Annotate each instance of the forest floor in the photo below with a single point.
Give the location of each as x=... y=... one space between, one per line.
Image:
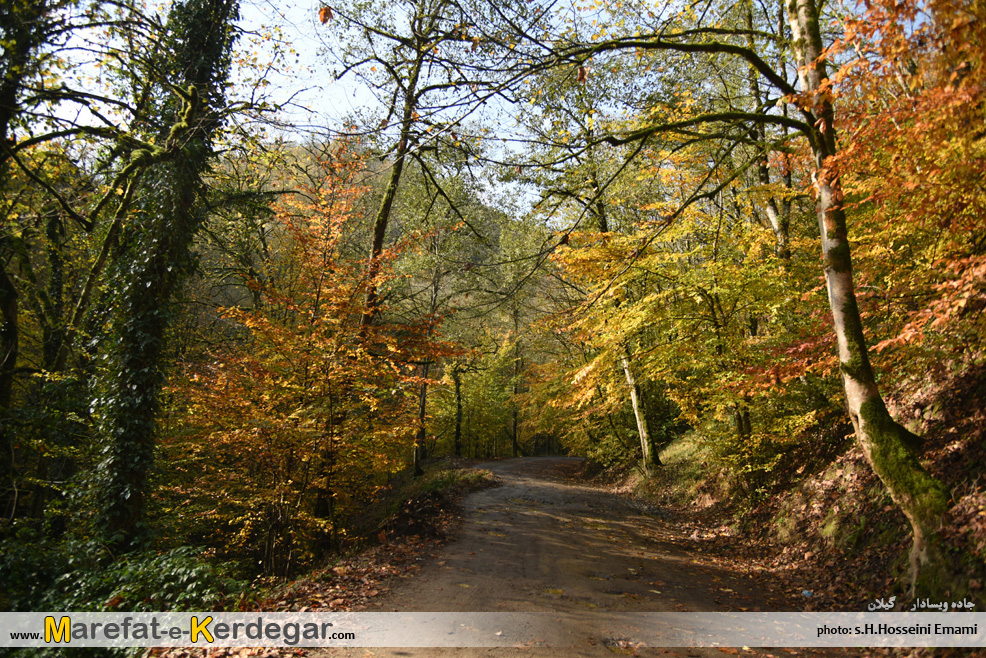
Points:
x=544 y=541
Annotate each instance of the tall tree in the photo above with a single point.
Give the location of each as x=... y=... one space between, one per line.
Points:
x=191 y=71
x=889 y=447
x=402 y=56
x=48 y=118
x=25 y=27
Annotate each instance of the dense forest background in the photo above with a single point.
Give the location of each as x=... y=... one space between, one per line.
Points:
x=737 y=248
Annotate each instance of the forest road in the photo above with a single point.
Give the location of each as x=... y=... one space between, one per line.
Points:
x=540 y=543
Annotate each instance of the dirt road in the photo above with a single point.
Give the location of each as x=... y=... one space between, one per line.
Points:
x=541 y=544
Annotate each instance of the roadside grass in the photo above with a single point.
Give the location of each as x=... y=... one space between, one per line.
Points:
x=420 y=505
x=690 y=476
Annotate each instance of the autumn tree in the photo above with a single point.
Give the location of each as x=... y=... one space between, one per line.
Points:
x=575 y=174
x=910 y=96
x=34 y=38
x=724 y=33
x=66 y=183
x=310 y=413
x=889 y=447
x=910 y=105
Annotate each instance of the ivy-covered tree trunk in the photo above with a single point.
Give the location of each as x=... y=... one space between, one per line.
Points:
x=888 y=447
x=155 y=253
x=25 y=29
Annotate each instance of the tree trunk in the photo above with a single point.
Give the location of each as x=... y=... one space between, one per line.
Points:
x=26 y=28
x=152 y=266
x=420 y=451
x=640 y=414
x=744 y=429
x=457 y=378
x=390 y=193
x=889 y=448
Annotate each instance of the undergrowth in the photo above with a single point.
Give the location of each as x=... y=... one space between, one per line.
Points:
x=76 y=574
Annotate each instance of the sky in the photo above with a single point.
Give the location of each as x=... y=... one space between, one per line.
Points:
x=302 y=82
x=319 y=103
x=317 y=100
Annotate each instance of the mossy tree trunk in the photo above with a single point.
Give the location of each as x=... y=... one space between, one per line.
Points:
x=382 y=219
x=25 y=30
x=889 y=448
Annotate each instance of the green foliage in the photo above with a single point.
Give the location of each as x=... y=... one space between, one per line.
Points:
x=611 y=449
x=487 y=408
x=29 y=566
x=177 y=579
x=40 y=574
x=450 y=482
x=691 y=474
